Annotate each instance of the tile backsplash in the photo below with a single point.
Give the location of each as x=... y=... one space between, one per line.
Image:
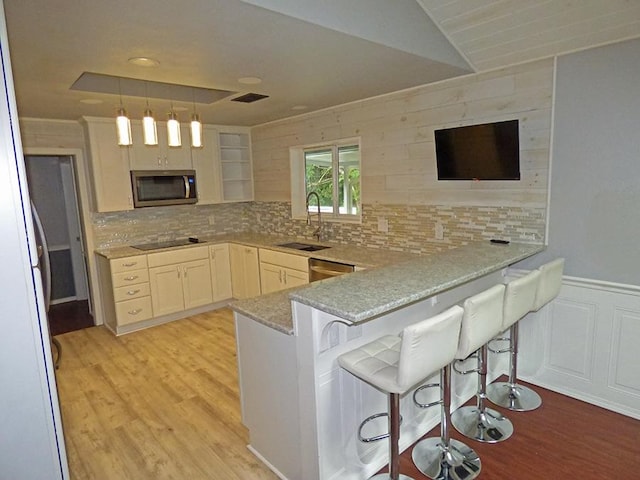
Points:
x=411 y=228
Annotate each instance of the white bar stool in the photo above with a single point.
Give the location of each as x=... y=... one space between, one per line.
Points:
x=394 y=364
x=444 y=458
x=482 y=320
x=549 y=284
x=519 y=296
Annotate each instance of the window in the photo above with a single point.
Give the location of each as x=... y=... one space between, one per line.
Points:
x=333 y=172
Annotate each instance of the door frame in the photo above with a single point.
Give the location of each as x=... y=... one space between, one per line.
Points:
x=81 y=170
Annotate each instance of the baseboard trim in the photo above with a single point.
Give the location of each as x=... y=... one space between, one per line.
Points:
x=266 y=462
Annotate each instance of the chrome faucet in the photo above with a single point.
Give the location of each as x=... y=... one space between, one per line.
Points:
x=318 y=231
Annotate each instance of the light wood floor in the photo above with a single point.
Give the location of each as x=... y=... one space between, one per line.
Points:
x=162 y=403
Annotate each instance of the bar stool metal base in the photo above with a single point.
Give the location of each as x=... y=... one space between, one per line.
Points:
x=488 y=426
x=458 y=462
x=513 y=396
x=386 y=476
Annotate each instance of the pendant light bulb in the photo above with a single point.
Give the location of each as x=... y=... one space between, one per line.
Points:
x=196 y=131
x=149 y=129
x=173 y=130
x=123 y=125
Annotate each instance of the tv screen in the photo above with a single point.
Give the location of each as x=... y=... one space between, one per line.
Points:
x=490 y=151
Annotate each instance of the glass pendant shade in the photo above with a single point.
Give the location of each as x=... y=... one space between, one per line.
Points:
x=149 y=130
x=196 y=131
x=173 y=130
x=123 y=126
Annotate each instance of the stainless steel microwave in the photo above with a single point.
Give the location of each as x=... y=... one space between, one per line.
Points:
x=152 y=188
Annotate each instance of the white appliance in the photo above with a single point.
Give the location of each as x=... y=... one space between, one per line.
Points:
x=32 y=442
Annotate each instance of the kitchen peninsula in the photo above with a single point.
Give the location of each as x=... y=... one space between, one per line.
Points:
x=301 y=410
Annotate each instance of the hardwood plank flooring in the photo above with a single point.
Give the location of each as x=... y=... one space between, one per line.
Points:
x=69 y=316
x=163 y=403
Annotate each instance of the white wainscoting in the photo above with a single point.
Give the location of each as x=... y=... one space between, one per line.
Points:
x=586 y=344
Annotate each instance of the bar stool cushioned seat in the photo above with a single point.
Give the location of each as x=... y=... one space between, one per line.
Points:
x=394 y=364
x=481 y=322
x=519 y=296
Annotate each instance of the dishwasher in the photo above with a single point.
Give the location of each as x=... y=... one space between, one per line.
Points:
x=321 y=269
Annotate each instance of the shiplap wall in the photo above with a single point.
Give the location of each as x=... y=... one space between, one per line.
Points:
x=396 y=131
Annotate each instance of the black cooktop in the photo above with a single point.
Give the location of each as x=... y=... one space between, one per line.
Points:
x=167 y=244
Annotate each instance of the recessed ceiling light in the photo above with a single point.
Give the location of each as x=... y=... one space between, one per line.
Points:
x=250 y=80
x=299 y=107
x=91 y=101
x=144 y=61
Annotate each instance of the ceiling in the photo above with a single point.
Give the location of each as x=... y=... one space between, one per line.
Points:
x=310 y=55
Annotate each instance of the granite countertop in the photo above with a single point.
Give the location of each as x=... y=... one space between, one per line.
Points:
x=384 y=289
x=361 y=256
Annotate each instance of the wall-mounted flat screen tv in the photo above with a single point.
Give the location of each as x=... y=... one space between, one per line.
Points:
x=490 y=151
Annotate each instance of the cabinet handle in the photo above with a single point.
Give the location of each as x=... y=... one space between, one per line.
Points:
x=178 y=270
x=280 y=275
x=285 y=277
x=184 y=269
x=134 y=312
x=133 y=292
x=129 y=264
x=159 y=161
x=132 y=277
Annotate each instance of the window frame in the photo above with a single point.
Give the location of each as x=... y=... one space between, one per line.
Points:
x=298 y=180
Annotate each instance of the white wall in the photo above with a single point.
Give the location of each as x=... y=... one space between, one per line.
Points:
x=594 y=217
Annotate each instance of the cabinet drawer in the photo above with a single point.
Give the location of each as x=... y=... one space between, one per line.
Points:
x=297 y=262
x=131 y=291
x=135 y=310
x=130 y=278
x=128 y=264
x=178 y=256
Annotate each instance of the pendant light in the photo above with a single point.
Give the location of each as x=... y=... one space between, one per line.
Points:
x=196 y=127
x=173 y=129
x=149 y=129
x=123 y=124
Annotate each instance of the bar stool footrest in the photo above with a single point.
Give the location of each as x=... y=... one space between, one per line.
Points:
x=375 y=438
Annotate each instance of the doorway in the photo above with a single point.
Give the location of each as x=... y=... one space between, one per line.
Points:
x=53 y=190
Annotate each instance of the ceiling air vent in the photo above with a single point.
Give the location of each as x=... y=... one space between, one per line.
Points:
x=249 y=98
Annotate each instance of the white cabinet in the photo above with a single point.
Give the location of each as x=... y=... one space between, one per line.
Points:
x=220 y=272
x=245 y=271
x=125 y=289
x=179 y=280
x=161 y=156
x=108 y=166
x=206 y=162
x=235 y=166
x=280 y=270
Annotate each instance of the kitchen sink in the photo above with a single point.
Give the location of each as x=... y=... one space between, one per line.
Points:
x=307 y=247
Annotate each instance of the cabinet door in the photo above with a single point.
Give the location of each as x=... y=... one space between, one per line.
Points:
x=166 y=289
x=178 y=158
x=252 y=272
x=206 y=162
x=294 y=278
x=245 y=271
x=271 y=278
x=109 y=167
x=161 y=156
x=196 y=282
x=220 y=272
